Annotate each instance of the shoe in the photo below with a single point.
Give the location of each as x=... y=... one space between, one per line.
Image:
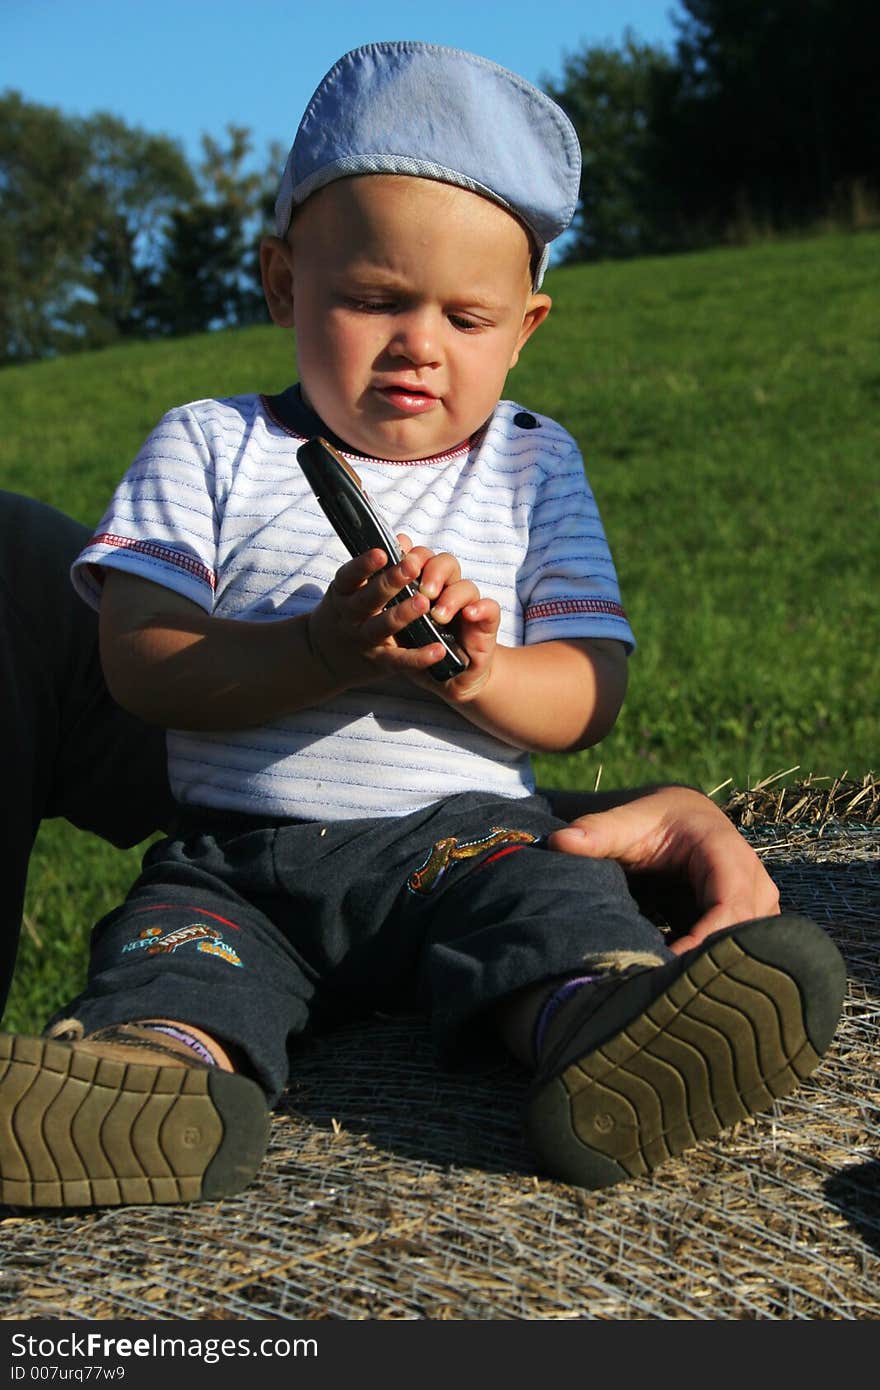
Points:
x=113 y=1119
x=636 y=1069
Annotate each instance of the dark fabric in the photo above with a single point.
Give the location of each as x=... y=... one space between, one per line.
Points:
x=290 y=410
x=254 y=932
x=70 y=750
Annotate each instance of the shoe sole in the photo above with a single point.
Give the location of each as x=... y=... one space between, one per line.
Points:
x=78 y=1130
x=748 y=1016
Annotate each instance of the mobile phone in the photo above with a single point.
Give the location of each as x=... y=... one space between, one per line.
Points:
x=360 y=527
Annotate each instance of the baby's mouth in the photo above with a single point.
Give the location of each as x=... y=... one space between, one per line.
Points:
x=412 y=400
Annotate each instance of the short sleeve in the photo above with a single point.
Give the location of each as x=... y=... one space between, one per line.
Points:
x=568 y=582
x=161 y=521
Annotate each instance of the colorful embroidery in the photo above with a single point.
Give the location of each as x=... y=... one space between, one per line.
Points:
x=209 y=942
x=219 y=948
x=449 y=851
x=176 y=907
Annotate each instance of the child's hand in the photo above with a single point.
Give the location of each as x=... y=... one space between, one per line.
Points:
x=476 y=620
x=352 y=631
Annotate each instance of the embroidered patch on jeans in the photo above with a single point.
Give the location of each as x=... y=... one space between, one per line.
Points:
x=154 y=942
x=447 y=852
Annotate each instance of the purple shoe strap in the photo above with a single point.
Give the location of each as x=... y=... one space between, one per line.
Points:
x=194 y=1044
x=555 y=1002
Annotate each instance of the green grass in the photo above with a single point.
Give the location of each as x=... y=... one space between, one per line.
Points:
x=727 y=406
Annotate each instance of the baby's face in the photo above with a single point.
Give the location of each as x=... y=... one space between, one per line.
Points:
x=410 y=301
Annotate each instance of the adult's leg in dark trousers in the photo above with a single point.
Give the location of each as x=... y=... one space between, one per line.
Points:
x=178 y=1131
x=70 y=750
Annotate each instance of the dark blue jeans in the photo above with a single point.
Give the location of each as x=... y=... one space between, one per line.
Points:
x=257 y=930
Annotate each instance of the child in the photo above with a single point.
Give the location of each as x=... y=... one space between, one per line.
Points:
x=353 y=835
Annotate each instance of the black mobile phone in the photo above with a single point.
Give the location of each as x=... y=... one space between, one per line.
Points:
x=360 y=527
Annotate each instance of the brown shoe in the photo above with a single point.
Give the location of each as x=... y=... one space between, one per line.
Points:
x=116 y=1118
x=639 y=1068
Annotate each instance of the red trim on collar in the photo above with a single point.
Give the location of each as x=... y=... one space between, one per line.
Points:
x=460 y=450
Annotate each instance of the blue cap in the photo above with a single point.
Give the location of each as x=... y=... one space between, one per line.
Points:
x=438 y=113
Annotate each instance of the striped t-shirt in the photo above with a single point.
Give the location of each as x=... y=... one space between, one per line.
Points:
x=216 y=507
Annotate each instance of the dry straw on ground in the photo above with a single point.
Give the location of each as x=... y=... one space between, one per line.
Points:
x=395 y=1191
x=815 y=802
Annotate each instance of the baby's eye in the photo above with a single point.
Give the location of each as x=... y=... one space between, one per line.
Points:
x=465 y=323
x=370 y=306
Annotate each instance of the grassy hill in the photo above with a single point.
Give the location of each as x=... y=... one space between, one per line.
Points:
x=727 y=404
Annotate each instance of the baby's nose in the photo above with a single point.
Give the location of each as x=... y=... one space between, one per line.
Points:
x=416 y=338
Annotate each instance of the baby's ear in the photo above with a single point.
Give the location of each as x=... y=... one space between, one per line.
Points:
x=276 y=272
x=537 y=309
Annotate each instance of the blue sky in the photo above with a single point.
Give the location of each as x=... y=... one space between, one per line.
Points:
x=182 y=67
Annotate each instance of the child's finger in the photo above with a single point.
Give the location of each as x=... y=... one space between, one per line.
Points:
x=354 y=573
x=438 y=572
x=484 y=615
x=455 y=597
x=379 y=627
x=387 y=584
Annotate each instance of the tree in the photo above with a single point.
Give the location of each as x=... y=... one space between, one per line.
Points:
x=47 y=220
x=137 y=181
x=83 y=210
x=779 y=107
x=207 y=280
x=616 y=99
x=765 y=116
